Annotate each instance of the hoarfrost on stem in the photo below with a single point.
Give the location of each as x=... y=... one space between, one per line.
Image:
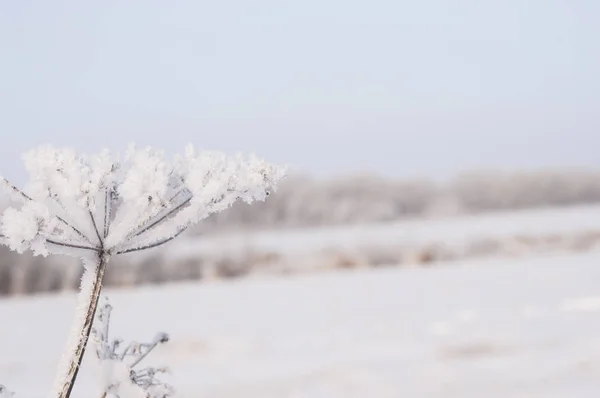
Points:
x=94 y=207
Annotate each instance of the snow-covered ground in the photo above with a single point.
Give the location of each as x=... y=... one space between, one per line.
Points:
x=515 y=328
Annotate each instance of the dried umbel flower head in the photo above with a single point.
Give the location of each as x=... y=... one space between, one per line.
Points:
x=108 y=204
x=98 y=206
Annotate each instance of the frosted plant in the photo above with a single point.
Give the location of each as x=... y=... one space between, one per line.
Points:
x=99 y=206
x=123 y=375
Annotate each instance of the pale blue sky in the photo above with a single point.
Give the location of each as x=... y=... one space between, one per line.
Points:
x=402 y=88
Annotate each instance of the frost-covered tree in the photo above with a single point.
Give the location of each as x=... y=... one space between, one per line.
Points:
x=99 y=206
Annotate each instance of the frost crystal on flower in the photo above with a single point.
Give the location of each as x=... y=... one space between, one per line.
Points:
x=120 y=362
x=107 y=204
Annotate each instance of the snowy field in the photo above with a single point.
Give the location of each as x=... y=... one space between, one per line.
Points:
x=518 y=328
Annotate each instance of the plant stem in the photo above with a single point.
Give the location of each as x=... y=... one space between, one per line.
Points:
x=89 y=295
x=155 y=244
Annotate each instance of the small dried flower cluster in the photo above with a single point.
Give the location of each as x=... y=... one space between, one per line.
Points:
x=121 y=362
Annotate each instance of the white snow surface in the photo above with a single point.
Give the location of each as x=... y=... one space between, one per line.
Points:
x=496 y=328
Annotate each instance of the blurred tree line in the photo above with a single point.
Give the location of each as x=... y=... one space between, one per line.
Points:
x=302 y=201
x=306 y=202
